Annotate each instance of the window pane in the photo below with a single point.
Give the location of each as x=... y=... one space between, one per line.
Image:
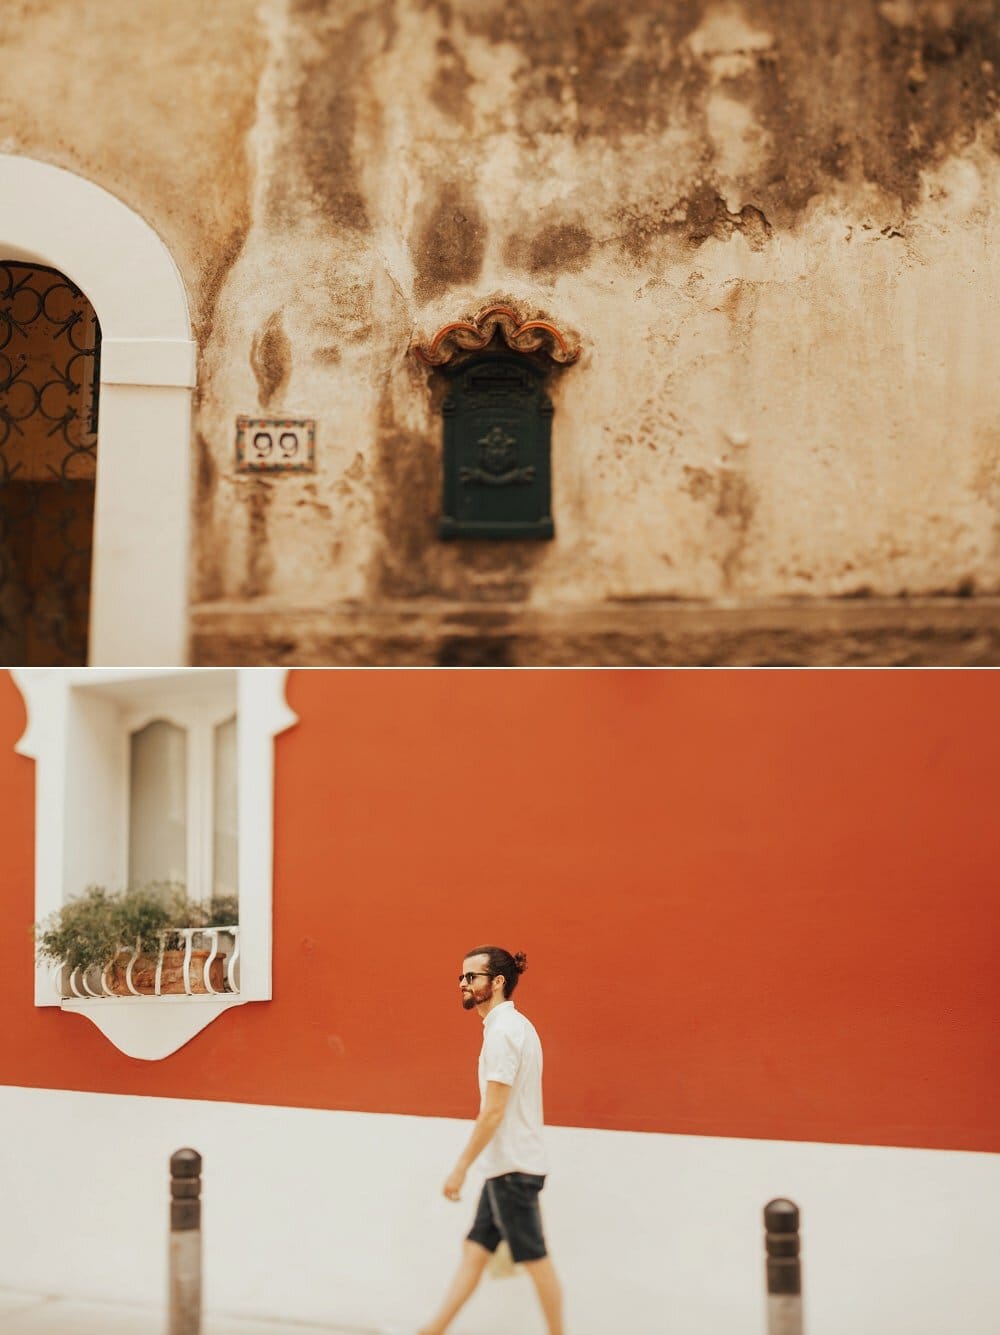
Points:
x=158 y=805
x=225 y=837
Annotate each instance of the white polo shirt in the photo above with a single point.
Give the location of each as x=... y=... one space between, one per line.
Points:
x=512 y=1055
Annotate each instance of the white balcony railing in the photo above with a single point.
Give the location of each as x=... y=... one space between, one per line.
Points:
x=223 y=944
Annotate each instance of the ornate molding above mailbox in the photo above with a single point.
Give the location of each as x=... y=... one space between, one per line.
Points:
x=497 y=423
x=491 y=325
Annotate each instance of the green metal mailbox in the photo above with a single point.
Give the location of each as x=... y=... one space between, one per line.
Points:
x=497 y=451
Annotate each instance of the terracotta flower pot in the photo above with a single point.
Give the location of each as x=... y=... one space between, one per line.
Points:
x=172 y=977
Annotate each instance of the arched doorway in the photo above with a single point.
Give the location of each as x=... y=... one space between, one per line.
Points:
x=54 y=220
x=49 y=358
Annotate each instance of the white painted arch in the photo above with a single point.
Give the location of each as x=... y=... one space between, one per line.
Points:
x=139 y=579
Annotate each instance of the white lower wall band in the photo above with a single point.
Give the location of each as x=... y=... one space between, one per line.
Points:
x=337 y=1217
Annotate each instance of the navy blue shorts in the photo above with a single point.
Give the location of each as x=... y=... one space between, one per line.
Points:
x=508 y=1208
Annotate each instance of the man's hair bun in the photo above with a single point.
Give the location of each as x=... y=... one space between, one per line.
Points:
x=502 y=964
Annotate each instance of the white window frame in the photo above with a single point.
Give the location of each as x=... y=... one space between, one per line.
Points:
x=77 y=734
x=139 y=575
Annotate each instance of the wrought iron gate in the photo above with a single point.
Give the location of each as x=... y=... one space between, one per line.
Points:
x=49 y=359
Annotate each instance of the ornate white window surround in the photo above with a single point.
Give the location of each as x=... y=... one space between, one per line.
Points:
x=79 y=722
x=49 y=216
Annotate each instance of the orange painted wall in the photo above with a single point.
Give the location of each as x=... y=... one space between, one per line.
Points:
x=755 y=904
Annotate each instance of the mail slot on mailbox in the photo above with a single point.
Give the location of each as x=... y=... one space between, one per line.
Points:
x=497 y=443
x=497 y=471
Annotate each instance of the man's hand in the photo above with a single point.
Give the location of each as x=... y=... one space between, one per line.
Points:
x=453 y=1184
x=490 y=1117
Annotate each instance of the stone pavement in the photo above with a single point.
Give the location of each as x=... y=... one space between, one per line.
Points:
x=37 y=1314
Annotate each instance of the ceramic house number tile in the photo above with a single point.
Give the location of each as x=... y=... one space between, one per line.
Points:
x=275 y=445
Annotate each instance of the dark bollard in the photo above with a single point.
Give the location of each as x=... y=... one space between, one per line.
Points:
x=185 y=1243
x=784 y=1272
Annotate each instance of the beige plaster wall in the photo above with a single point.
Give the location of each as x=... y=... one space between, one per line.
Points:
x=771 y=226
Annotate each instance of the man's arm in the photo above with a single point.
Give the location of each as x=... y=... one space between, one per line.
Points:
x=490 y=1117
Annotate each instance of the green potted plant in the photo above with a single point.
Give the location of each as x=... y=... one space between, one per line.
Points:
x=135 y=942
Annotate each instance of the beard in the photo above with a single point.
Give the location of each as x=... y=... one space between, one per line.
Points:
x=473 y=999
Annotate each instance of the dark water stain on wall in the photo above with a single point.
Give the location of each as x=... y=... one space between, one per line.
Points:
x=331 y=87
x=450 y=242
x=557 y=248
x=218 y=263
x=618 y=63
x=329 y=355
x=452 y=81
x=257 y=497
x=841 y=92
x=707 y=214
x=407 y=482
x=271 y=358
x=736 y=503
x=496 y=650
x=687 y=223
x=853 y=92
x=207 y=471
x=210 y=581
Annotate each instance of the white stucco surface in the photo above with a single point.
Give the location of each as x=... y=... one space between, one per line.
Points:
x=337 y=1218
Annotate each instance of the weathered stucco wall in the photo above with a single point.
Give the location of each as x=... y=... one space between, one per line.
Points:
x=770 y=225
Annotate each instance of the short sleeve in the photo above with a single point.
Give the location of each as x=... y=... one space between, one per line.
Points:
x=501 y=1058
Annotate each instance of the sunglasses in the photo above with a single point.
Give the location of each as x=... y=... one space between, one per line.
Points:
x=468 y=977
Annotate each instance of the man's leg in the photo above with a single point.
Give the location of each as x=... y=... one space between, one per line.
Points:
x=467 y=1276
x=549 y=1290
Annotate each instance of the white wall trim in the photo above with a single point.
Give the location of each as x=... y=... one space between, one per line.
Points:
x=308 y=1211
x=139 y=580
x=148 y=361
x=81 y=823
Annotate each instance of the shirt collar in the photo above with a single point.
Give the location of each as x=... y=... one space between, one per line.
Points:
x=496 y=1010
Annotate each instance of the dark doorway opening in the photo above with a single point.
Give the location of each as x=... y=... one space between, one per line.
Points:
x=50 y=344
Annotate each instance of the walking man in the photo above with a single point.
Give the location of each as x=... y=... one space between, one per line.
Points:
x=506 y=1139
